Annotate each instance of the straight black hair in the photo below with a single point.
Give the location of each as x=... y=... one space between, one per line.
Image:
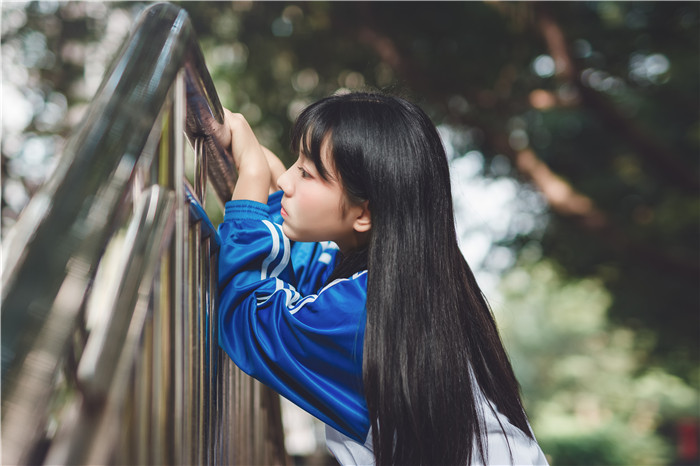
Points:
x=430 y=334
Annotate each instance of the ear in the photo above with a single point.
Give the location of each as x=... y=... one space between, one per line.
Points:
x=363 y=222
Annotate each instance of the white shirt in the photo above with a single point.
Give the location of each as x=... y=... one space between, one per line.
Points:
x=524 y=450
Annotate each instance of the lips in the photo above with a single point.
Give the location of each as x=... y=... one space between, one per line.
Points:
x=284 y=213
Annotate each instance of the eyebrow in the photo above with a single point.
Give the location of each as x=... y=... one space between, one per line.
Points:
x=328 y=174
x=308 y=165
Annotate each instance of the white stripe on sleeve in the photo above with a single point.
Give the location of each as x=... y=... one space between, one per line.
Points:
x=275 y=249
x=285 y=259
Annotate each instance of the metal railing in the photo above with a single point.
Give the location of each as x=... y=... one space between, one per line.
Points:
x=109 y=325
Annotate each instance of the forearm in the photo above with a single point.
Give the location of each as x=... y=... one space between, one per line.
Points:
x=252 y=185
x=251 y=161
x=253 y=182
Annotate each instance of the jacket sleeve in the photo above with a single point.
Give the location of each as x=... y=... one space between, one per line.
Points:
x=306 y=346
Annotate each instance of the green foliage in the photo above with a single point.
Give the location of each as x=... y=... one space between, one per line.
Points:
x=621 y=131
x=589 y=398
x=605 y=331
x=613 y=445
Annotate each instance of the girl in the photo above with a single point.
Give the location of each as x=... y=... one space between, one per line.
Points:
x=346 y=291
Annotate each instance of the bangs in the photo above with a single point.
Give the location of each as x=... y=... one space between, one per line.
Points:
x=352 y=126
x=308 y=135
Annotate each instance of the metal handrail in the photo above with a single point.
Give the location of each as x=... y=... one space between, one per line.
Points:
x=109 y=327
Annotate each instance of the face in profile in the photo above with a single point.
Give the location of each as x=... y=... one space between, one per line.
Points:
x=318 y=209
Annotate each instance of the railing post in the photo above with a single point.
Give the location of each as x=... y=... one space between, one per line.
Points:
x=169 y=394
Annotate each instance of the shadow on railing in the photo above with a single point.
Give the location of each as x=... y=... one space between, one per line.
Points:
x=109 y=328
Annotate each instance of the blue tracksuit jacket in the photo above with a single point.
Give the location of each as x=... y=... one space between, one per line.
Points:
x=281 y=325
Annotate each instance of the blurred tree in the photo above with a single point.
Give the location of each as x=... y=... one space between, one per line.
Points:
x=54 y=56
x=583 y=386
x=592 y=105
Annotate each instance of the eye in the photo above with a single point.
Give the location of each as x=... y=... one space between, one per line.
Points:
x=303 y=173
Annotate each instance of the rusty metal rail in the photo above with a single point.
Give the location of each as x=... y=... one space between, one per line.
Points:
x=109 y=302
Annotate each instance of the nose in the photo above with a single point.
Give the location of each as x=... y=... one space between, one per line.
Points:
x=284 y=182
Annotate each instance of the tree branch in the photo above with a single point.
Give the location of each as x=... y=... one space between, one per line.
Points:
x=562 y=198
x=567 y=202
x=638 y=139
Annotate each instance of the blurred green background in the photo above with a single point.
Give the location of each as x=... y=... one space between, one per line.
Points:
x=573 y=133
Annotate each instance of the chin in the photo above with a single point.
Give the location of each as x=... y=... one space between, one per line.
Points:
x=287 y=233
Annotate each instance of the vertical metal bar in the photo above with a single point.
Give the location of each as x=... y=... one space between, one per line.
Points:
x=257 y=422
x=218 y=408
x=185 y=315
x=248 y=416
x=211 y=350
x=220 y=456
x=125 y=451
x=145 y=386
x=242 y=418
x=146 y=453
x=227 y=408
x=157 y=383
x=204 y=428
x=161 y=343
x=231 y=403
x=201 y=349
x=206 y=345
x=180 y=262
x=237 y=414
x=200 y=172
x=191 y=365
x=166 y=405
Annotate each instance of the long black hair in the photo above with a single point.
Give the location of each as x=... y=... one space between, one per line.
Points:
x=429 y=330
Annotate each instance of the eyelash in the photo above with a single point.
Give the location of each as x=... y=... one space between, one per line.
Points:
x=304 y=174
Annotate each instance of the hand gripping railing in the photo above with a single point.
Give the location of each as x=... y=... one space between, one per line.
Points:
x=109 y=322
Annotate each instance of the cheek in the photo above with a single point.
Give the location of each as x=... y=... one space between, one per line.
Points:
x=319 y=204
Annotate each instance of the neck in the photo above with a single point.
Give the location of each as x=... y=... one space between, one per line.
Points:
x=349 y=264
x=354 y=242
